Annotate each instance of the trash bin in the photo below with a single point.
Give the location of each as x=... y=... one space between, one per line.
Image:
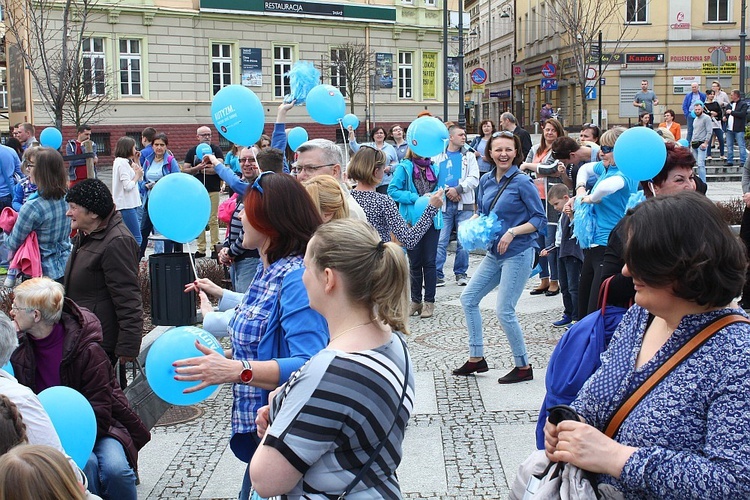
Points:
x=170 y=305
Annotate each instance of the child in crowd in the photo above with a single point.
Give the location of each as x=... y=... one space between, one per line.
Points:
x=569 y=255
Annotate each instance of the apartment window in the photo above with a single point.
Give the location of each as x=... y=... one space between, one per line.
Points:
x=405 y=75
x=221 y=66
x=338 y=69
x=718 y=10
x=282 y=64
x=93 y=66
x=3 y=88
x=430 y=3
x=130 y=68
x=637 y=11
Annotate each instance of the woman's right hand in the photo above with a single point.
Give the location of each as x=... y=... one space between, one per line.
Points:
x=436 y=200
x=205 y=285
x=550 y=439
x=568 y=208
x=263 y=420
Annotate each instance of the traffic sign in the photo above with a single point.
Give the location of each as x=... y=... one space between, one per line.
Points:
x=478 y=76
x=549 y=83
x=591 y=73
x=590 y=93
x=549 y=70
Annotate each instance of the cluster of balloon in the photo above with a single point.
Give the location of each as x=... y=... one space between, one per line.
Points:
x=177 y=343
x=640 y=153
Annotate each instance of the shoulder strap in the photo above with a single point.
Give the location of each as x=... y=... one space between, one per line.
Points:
x=683 y=353
x=500 y=191
x=375 y=453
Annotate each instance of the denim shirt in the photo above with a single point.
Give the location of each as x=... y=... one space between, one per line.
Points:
x=518 y=204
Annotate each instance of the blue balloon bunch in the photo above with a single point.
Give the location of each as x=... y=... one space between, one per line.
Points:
x=302 y=78
x=584 y=223
x=480 y=232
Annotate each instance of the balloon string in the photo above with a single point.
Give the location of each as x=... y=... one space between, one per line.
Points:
x=252 y=150
x=192 y=260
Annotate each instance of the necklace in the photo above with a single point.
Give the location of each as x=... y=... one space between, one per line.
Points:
x=349 y=330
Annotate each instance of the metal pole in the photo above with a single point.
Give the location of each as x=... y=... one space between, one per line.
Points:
x=743 y=36
x=599 y=113
x=445 y=59
x=461 y=103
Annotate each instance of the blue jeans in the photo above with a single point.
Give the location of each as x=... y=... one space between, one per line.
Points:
x=108 y=472
x=549 y=262
x=700 y=159
x=739 y=137
x=242 y=273
x=690 y=128
x=719 y=134
x=510 y=276
x=130 y=218
x=422 y=266
x=451 y=218
x=570 y=274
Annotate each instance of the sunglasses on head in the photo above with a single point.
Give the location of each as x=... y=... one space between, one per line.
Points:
x=256 y=185
x=503 y=133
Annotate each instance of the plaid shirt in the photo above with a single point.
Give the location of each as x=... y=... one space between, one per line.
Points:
x=47 y=218
x=247 y=326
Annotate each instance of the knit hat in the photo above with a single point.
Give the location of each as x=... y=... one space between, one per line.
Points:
x=93 y=195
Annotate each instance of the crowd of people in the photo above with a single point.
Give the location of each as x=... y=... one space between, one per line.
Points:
x=322 y=381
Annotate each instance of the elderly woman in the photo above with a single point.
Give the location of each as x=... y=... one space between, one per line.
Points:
x=514 y=199
x=102 y=271
x=45 y=214
x=682 y=289
x=272 y=328
x=354 y=445
x=60 y=344
x=609 y=195
x=328 y=196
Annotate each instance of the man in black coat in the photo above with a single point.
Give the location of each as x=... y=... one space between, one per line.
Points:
x=508 y=122
x=736 y=120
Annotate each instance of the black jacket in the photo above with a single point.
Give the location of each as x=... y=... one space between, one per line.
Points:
x=525 y=140
x=740 y=116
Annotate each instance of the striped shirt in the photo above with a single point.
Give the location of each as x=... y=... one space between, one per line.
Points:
x=332 y=413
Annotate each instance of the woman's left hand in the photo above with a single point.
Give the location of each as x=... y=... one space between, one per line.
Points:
x=263 y=420
x=211 y=369
x=504 y=242
x=588 y=448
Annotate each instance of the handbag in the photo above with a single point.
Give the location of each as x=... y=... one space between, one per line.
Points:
x=227 y=208
x=537 y=478
x=696 y=144
x=142 y=398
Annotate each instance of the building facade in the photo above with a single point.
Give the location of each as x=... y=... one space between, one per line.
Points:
x=669 y=44
x=161 y=62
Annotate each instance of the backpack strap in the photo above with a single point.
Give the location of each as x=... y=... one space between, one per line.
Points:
x=666 y=368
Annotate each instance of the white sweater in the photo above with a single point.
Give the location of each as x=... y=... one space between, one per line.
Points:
x=124 y=186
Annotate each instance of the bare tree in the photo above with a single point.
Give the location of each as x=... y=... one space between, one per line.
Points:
x=351 y=67
x=49 y=36
x=580 y=21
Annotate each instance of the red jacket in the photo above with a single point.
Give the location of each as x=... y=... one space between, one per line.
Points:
x=86 y=368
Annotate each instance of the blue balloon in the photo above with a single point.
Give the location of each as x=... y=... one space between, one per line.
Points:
x=238 y=115
x=203 y=149
x=350 y=120
x=427 y=136
x=325 y=104
x=683 y=142
x=51 y=138
x=73 y=418
x=295 y=137
x=640 y=153
x=177 y=343
x=421 y=205
x=9 y=368
x=179 y=207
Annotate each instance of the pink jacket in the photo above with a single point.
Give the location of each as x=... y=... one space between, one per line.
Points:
x=27 y=258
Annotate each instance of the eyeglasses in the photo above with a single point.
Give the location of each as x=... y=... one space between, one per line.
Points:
x=247 y=160
x=607 y=149
x=256 y=185
x=503 y=133
x=205 y=135
x=296 y=168
x=19 y=308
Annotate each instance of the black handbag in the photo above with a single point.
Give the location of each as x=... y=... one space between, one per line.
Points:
x=149 y=407
x=696 y=144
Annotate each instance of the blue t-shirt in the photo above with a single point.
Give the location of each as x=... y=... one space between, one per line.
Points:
x=613 y=206
x=450 y=169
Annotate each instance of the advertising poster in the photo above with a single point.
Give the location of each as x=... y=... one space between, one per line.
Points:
x=252 y=66
x=453 y=73
x=384 y=70
x=429 y=65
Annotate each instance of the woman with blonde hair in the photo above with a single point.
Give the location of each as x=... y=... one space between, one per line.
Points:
x=328 y=196
x=37 y=472
x=337 y=426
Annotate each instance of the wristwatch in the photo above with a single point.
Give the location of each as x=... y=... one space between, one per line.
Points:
x=246 y=375
x=512 y=232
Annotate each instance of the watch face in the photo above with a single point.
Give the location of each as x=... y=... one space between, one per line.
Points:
x=246 y=375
